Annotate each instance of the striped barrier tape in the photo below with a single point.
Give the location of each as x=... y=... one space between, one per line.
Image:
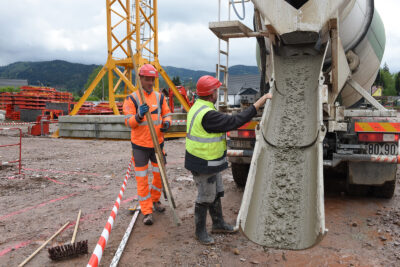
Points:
x=239 y=153
x=385 y=127
x=16 y=123
x=337 y=158
x=23 y=123
x=101 y=244
x=179 y=122
x=387 y=159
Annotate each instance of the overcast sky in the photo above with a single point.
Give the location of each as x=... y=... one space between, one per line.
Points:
x=75 y=30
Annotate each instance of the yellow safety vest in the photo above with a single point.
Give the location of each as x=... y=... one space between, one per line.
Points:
x=201 y=144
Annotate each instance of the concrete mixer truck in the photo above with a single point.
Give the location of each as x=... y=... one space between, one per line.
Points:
x=319 y=58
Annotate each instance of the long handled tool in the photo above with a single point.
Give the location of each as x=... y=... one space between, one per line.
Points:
x=125 y=238
x=159 y=155
x=70 y=250
x=43 y=245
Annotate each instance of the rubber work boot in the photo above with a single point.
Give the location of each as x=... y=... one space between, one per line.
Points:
x=200 y=218
x=148 y=219
x=219 y=225
x=158 y=206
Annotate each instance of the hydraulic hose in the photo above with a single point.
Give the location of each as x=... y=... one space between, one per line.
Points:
x=234 y=9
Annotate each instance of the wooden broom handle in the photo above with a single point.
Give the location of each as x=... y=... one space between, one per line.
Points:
x=43 y=245
x=76 y=227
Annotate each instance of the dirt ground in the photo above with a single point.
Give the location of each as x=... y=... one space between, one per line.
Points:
x=61 y=176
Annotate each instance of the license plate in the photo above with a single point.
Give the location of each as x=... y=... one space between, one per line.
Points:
x=382 y=149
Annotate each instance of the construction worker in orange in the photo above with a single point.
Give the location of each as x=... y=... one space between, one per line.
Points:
x=142 y=144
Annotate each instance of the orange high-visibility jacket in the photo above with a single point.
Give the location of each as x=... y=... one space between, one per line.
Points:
x=160 y=112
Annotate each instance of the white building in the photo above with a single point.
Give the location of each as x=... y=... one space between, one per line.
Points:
x=239 y=85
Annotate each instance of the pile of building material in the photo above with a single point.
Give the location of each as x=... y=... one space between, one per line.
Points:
x=101 y=108
x=32 y=101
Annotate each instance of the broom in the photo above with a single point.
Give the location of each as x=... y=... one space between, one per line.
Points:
x=70 y=250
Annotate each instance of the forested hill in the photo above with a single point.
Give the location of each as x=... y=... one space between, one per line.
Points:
x=73 y=76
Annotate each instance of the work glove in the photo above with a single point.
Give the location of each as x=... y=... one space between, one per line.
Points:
x=165 y=126
x=143 y=110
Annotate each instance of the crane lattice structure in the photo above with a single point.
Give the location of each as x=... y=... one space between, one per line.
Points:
x=128 y=24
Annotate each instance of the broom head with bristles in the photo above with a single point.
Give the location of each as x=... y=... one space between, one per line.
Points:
x=68 y=251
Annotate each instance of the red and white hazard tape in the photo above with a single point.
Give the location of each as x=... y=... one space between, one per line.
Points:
x=101 y=244
x=387 y=159
x=178 y=122
x=239 y=153
x=367 y=158
x=16 y=123
x=24 y=123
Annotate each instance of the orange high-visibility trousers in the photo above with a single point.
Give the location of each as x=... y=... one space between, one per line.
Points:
x=148 y=193
x=156 y=186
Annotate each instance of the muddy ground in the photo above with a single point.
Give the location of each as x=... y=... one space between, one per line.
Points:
x=61 y=176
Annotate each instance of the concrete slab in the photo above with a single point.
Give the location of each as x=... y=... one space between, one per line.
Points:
x=93 y=119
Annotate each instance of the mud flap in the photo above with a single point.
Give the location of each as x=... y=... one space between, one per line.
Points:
x=371 y=173
x=283 y=206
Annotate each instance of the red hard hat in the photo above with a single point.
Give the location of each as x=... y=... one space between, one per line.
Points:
x=148 y=70
x=206 y=85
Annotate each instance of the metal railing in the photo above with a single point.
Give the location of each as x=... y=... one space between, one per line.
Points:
x=17 y=144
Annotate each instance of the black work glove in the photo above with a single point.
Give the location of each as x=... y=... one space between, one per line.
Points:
x=165 y=126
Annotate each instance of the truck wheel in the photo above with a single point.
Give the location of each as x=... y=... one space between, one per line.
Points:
x=386 y=190
x=239 y=173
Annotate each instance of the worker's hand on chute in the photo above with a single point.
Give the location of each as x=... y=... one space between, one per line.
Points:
x=143 y=110
x=165 y=126
x=260 y=102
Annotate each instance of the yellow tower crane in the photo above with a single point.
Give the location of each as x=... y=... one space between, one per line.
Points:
x=126 y=24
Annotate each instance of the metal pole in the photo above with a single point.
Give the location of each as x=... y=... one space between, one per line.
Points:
x=117 y=256
x=20 y=150
x=102 y=81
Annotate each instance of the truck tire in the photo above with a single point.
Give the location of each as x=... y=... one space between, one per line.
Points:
x=386 y=190
x=239 y=173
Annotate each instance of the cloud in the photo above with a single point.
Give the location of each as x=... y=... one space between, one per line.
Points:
x=46 y=30
x=388 y=10
x=75 y=30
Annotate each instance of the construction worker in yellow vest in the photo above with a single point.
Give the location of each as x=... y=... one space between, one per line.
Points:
x=206 y=154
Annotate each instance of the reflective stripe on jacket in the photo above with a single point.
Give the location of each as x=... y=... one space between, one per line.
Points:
x=159 y=110
x=205 y=152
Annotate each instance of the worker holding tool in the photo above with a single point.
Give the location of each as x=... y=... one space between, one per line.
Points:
x=206 y=153
x=142 y=144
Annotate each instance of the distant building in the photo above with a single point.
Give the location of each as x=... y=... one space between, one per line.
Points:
x=13 y=82
x=242 y=86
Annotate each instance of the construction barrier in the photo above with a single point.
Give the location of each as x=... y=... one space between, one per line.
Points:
x=178 y=122
x=22 y=123
x=17 y=144
x=101 y=244
x=16 y=123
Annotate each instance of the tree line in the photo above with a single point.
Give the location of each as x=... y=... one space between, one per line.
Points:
x=390 y=82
